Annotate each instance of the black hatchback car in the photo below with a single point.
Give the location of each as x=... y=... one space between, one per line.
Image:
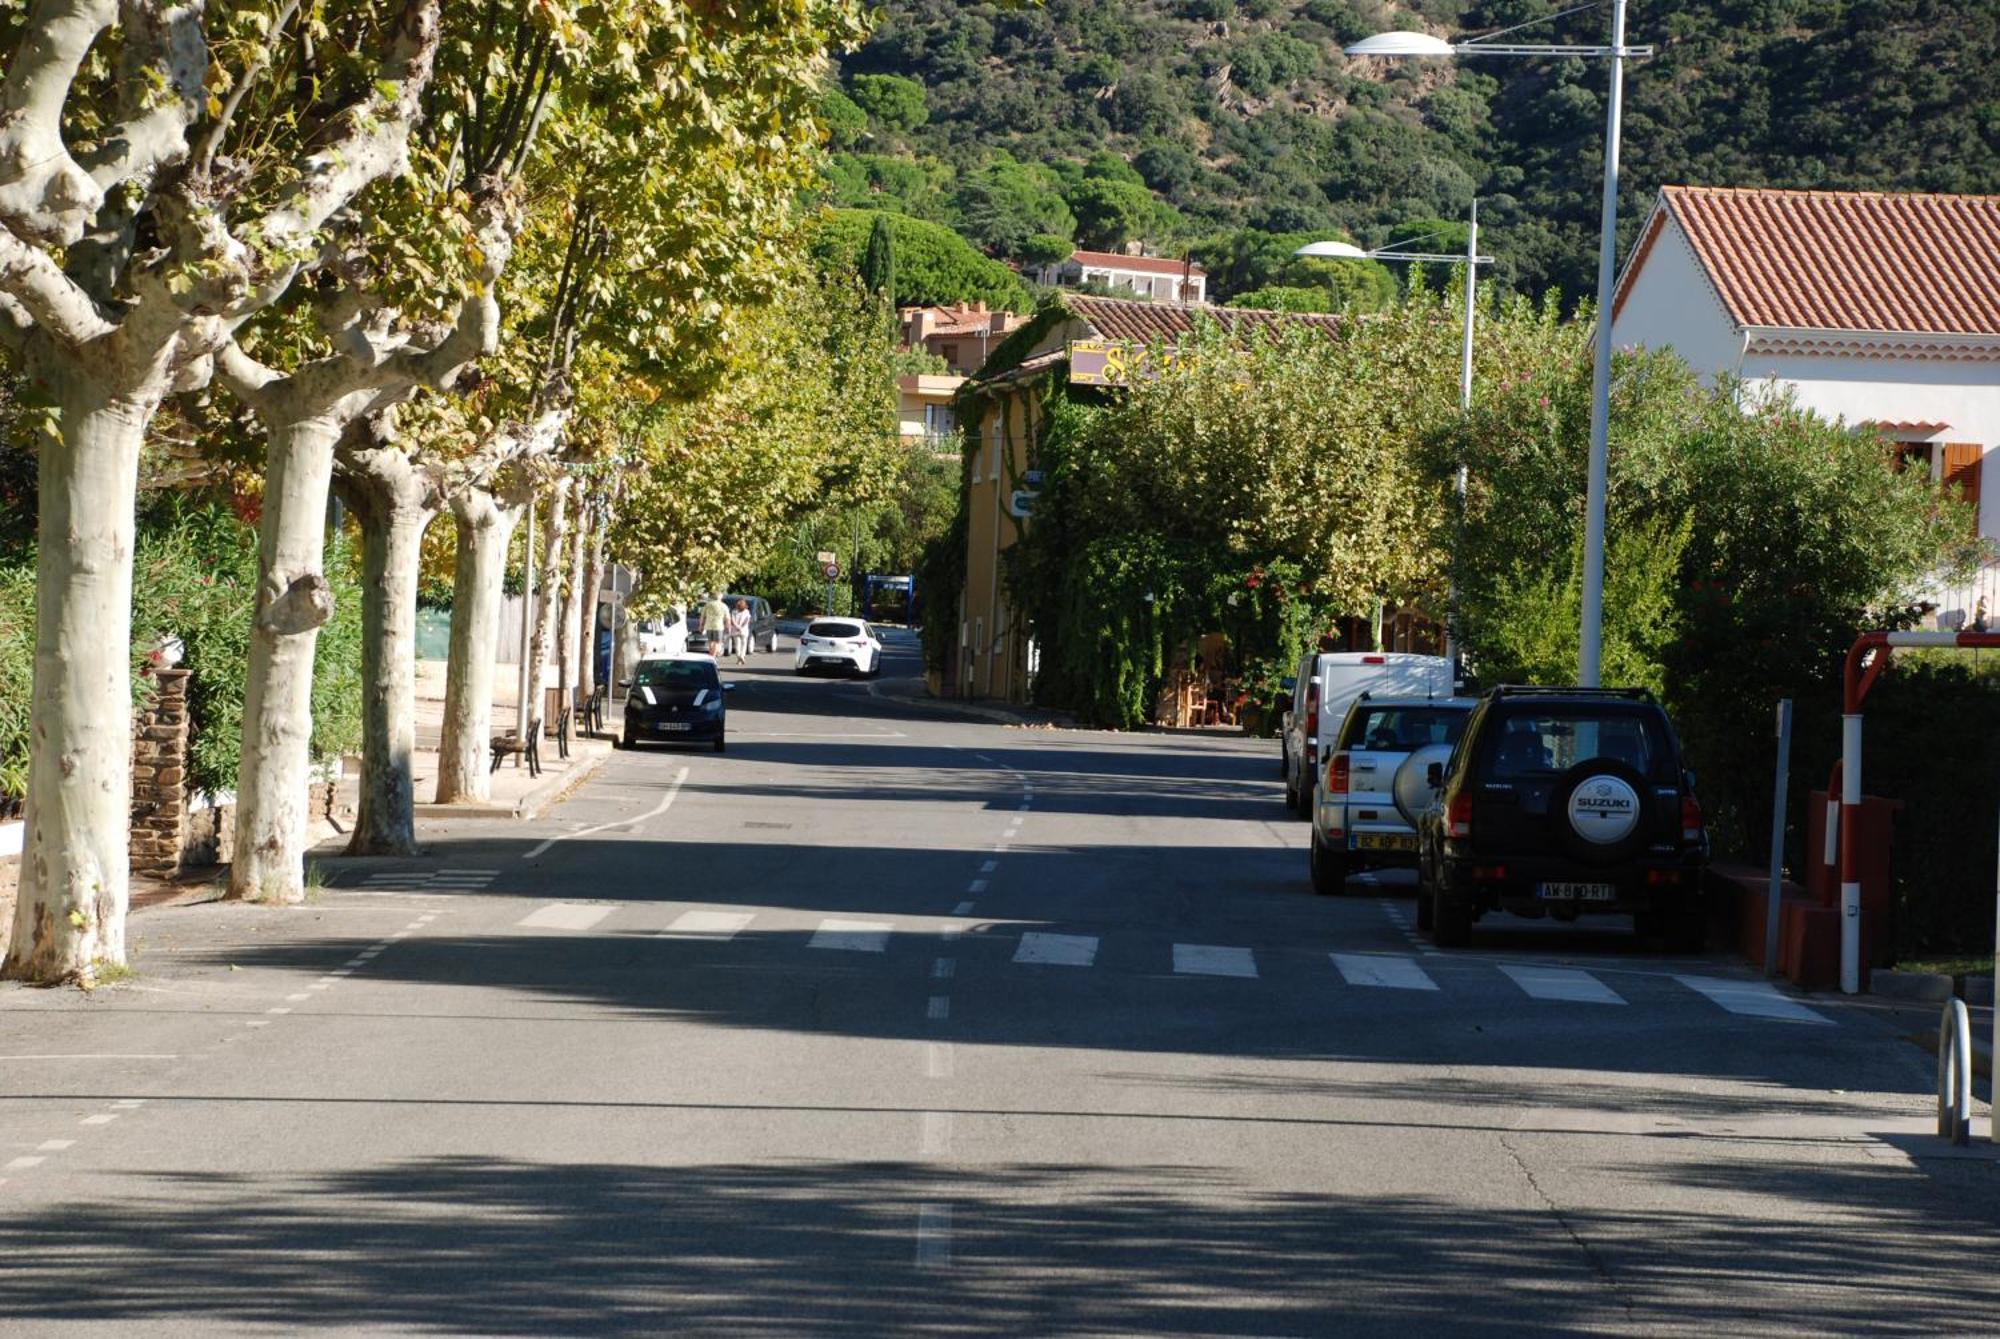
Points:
x=676 y=700
x=1563 y=802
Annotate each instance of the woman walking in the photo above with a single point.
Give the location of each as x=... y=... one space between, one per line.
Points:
x=739 y=631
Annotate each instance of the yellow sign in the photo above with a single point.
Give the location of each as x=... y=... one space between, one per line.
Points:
x=1111 y=362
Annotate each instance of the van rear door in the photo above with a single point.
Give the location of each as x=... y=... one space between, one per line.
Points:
x=1345 y=675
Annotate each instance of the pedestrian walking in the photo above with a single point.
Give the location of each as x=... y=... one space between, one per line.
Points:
x=714 y=623
x=739 y=632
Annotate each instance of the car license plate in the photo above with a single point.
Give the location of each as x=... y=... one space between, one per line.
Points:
x=676 y=725
x=1579 y=892
x=1385 y=841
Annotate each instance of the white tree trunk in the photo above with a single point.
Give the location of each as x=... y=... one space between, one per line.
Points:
x=593 y=582
x=392 y=499
x=484 y=527
x=569 y=672
x=75 y=860
x=549 y=614
x=293 y=601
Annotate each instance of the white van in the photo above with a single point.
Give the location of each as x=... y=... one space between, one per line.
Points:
x=664 y=638
x=1326 y=685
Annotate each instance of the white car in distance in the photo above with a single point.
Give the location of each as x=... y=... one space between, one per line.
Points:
x=1366 y=799
x=839 y=644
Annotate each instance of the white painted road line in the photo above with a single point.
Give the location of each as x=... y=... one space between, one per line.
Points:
x=933 y=1236
x=563 y=916
x=1058 y=950
x=853 y=936
x=938 y=1060
x=936 y=1141
x=1562 y=983
x=989 y=867
x=1753 y=999
x=943 y=969
x=1211 y=960
x=673 y=789
x=962 y=909
x=708 y=924
x=101 y=1118
x=54 y=1145
x=22 y=1163
x=940 y=1008
x=100 y=1055
x=1378 y=969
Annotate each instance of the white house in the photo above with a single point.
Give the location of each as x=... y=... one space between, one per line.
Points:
x=1157 y=278
x=1881 y=310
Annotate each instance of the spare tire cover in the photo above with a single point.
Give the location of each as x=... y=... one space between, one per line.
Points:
x=1603 y=809
x=1412 y=787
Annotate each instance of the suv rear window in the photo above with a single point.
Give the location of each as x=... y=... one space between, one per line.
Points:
x=1541 y=743
x=1402 y=729
x=834 y=630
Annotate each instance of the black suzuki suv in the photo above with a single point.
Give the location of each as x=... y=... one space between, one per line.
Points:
x=1560 y=802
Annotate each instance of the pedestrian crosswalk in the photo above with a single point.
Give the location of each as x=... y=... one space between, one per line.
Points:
x=1418 y=975
x=423 y=883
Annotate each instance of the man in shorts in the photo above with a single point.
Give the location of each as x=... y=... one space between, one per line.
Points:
x=714 y=624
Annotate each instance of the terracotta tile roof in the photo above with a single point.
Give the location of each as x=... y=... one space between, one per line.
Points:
x=1847 y=260
x=1113 y=260
x=1144 y=322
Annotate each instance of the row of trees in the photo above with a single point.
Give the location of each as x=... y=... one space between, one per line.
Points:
x=437 y=255
x=1265 y=488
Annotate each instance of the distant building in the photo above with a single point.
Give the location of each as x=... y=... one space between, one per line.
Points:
x=1882 y=310
x=961 y=334
x=1155 y=278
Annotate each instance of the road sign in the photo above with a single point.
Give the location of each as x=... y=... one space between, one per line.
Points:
x=832 y=571
x=825 y=558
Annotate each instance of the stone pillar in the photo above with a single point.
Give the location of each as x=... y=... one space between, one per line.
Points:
x=159 y=778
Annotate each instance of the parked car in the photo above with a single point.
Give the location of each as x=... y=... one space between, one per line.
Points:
x=676 y=700
x=1375 y=784
x=1326 y=685
x=659 y=637
x=839 y=643
x=1564 y=802
x=763 y=622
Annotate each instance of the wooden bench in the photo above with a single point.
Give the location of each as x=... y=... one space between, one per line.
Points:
x=509 y=744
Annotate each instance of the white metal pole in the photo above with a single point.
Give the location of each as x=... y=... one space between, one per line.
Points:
x=1465 y=409
x=1778 y=836
x=1590 y=634
x=521 y=719
x=1850 y=846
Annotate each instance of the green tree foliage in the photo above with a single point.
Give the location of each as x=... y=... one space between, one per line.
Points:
x=1004 y=205
x=878 y=261
x=843 y=118
x=1267 y=125
x=891 y=102
x=933 y=263
x=1796 y=533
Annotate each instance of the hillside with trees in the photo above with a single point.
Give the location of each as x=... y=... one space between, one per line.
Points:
x=1224 y=127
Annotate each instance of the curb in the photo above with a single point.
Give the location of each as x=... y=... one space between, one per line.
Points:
x=1926 y=987
x=923 y=701
x=531 y=805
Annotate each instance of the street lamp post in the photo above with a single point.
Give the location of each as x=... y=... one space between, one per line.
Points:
x=1472 y=260
x=1409 y=44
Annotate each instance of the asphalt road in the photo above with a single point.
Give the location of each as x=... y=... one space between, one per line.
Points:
x=885 y=1023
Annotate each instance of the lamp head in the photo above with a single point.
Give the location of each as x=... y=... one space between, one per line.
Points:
x=1332 y=251
x=1402 y=44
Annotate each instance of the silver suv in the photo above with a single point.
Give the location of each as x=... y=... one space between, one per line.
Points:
x=1375 y=783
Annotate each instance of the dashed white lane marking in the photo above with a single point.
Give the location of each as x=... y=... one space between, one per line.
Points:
x=54 y=1145
x=708 y=924
x=277 y=1011
x=940 y=1008
x=853 y=936
x=936 y=1140
x=989 y=867
x=673 y=789
x=258 y=1022
x=943 y=969
x=1562 y=983
x=101 y=1118
x=563 y=916
x=1213 y=960
x=296 y=998
x=962 y=909
x=1057 y=950
x=933 y=1236
x=976 y=887
x=94 y=1055
x=1375 y=969
x=1755 y=999
x=129 y=1103
x=22 y=1163
x=938 y=1060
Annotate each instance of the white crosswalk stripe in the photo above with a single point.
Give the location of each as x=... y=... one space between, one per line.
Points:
x=1381 y=969
x=708 y=924
x=1057 y=950
x=1561 y=983
x=1213 y=960
x=1754 y=999
x=563 y=916
x=853 y=936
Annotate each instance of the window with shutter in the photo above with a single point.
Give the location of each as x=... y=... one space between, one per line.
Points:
x=1962 y=461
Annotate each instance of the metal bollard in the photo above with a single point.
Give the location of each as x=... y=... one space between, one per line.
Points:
x=1955 y=1074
